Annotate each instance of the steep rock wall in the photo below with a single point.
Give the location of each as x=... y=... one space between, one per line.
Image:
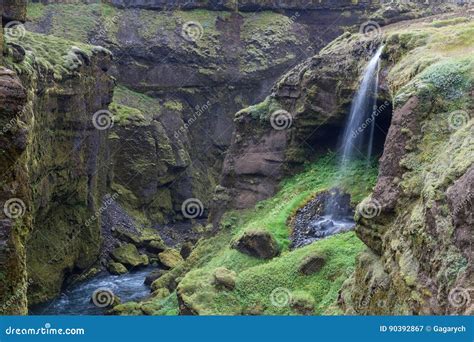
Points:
x=60 y=167
x=418 y=221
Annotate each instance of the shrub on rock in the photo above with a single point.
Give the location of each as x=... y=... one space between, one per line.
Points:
x=257 y=243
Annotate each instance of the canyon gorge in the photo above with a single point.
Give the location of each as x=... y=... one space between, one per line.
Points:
x=187 y=157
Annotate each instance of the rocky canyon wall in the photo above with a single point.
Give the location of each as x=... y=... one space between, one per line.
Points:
x=52 y=160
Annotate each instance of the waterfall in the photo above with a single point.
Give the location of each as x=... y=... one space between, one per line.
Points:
x=365 y=102
x=363 y=112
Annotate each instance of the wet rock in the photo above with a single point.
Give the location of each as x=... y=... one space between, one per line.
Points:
x=328 y=213
x=312 y=264
x=152 y=276
x=170 y=258
x=116 y=268
x=257 y=243
x=129 y=256
x=224 y=278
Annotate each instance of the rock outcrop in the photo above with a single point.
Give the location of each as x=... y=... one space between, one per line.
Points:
x=257 y=243
x=415 y=222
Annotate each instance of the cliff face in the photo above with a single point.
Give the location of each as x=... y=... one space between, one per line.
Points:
x=197 y=67
x=56 y=177
x=418 y=221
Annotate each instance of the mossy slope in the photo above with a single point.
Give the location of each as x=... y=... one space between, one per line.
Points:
x=257 y=278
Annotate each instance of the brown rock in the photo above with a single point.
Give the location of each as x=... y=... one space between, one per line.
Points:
x=257 y=243
x=312 y=264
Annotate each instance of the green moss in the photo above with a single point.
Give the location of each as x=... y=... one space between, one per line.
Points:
x=50 y=54
x=35 y=11
x=256 y=278
x=174 y=105
x=130 y=98
x=124 y=115
x=447 y=22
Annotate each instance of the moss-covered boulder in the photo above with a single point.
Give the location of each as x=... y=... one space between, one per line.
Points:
x=129 y=256
x=170 y=258
x=257 y=243
x=116 y=268
x=224 y=278
x=312 y=263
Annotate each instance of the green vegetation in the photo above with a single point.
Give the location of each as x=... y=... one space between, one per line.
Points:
x=50 y=54
x=256 y=278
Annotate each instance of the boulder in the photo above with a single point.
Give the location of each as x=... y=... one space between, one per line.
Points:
x=116 y=268
x=170 y=258
x=312 y=264
x=257 y=243
x=152 y=276
x=129 y=256
x=155 y=246
x=224 y=278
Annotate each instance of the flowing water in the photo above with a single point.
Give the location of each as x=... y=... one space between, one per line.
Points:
x=77 y=299
x=363 y=106
x=355 y=138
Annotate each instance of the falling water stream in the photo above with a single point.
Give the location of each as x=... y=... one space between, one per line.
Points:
x=355 y=140
x=363 y=106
